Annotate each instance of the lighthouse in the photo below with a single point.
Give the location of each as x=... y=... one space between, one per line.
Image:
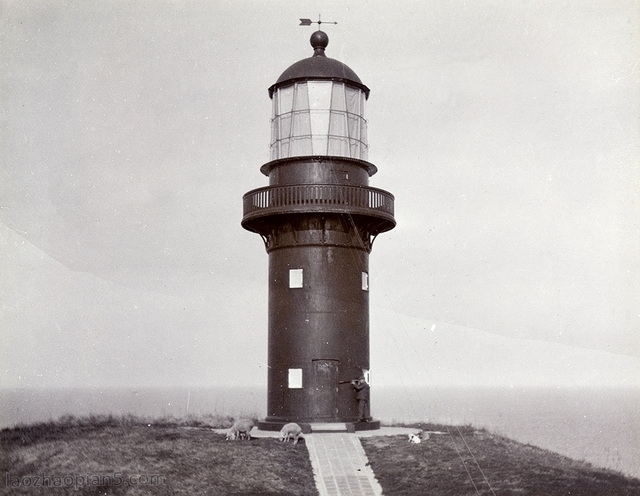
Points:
x=318 y=219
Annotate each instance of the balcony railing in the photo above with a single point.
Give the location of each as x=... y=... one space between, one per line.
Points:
x=335 y=198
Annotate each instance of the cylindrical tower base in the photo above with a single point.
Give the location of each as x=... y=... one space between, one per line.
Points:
x=318 y=320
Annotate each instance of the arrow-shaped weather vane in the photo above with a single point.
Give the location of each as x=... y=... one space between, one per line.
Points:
x=309 y=22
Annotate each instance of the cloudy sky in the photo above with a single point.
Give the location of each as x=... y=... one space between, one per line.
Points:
x=508 y=132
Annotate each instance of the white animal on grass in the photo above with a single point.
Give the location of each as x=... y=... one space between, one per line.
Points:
x=291 y=432
x=241 y=429
x=419 y=437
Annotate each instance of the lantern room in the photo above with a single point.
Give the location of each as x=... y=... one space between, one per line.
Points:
x=319 y=108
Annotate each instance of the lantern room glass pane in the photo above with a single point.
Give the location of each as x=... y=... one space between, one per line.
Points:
x=319 y=124
x=285 y=100
x=284 y=148
x=320 y=94
x=338 y=97
x=338 y=124
x=275 y=136
x=299 y=147
x=363 y=132
x=354 y=147
x=318 y=118
x=301 y=126
x=285 y=126
x=301 y=100
x=320 y=144
x=354 y=126
x=353 y=100
x=339 y=147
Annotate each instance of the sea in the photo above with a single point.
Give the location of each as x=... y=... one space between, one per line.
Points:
x=597 y=425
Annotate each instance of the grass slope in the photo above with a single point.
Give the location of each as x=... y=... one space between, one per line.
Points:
x=191 y=459
x=466 y=461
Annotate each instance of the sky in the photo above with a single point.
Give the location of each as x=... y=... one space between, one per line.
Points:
x=507 y=131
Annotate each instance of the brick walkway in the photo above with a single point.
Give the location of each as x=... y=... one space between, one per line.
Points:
x=340 y=465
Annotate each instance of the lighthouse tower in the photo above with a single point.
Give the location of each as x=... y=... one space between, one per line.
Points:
x=318 y=219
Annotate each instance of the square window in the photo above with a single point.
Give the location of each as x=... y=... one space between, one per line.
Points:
x=295 y=379
x=295 y=278
x=367 y=376
x=365 y=281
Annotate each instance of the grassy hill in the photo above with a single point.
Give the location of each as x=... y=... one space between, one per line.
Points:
x=132 y=456
x=467 y=461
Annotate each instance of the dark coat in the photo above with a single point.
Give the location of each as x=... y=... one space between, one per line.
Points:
x=362 y=390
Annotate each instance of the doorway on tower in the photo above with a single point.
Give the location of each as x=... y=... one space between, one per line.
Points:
x=324 y=394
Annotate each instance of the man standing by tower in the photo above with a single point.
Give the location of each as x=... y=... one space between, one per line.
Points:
x=362 y=395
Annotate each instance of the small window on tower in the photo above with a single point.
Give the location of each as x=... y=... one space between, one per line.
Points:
x=367 y=375
x=295 y=278
x=295 y=378
x=365 y=281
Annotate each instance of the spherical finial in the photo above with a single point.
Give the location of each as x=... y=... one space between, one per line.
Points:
x=319 y=41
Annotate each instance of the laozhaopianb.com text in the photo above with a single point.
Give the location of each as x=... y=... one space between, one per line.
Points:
x=77 y=481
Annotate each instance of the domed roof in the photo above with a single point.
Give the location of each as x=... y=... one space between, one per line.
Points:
x=319 y=66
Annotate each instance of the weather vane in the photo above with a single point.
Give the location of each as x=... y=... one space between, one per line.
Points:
x=309 y=22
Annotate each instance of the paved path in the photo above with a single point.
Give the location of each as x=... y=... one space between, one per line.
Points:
x=340 y=465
